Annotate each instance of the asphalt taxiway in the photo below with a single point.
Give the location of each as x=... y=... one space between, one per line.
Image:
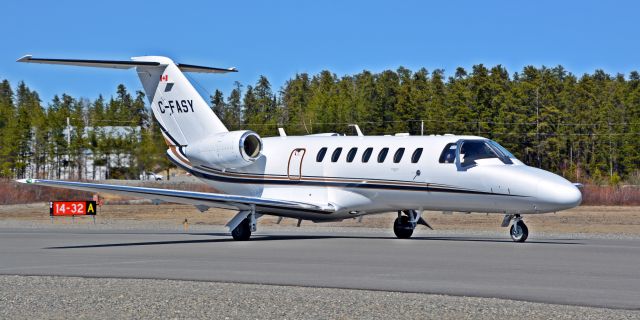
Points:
x=558 y=270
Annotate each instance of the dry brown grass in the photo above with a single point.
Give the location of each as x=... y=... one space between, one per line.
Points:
x=623 y=195
x=12 y=192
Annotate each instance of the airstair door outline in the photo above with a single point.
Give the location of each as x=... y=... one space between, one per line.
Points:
x=294 y=168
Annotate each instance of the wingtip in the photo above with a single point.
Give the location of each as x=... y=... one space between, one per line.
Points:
x=25 y=58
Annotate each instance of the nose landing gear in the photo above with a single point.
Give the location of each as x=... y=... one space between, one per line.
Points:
x=519 y=231
x=402 y=227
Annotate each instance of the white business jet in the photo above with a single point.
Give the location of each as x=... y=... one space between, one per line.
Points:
x=326 y=177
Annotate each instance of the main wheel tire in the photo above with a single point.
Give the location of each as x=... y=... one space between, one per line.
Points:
x=243 y=231
x=519 y=231
x=402 y=228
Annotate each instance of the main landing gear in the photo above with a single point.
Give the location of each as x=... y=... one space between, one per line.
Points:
x=406 y=222
x=243 y=231
x=243 y=224
x=519 y=231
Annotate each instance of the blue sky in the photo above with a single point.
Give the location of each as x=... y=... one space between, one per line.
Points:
x=281 y=38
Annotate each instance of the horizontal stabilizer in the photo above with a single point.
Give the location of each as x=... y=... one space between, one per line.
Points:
x=191 y=68
x=91 y=63
x=122 y=64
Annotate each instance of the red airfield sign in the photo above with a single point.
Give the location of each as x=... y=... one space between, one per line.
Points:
x=72 y=208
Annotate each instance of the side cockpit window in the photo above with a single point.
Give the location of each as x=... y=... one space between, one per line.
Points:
x=448 y=155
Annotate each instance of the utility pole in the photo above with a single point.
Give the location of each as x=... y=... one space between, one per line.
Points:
x=610 y=152
x=422 y=127
x=68 y=169
x=538 y=127
x=68 y=133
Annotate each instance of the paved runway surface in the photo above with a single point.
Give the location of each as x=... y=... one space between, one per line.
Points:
x=588 y=272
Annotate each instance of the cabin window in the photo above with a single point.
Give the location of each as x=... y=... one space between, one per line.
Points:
x=415 y=157
x=321 y=154
x=382 y=155
x=336 y=154
x=351 y=154
x=367 y=154
x=398 y=155
x=448 y=155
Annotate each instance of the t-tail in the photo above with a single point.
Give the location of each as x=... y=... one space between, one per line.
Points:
x=194 y=133
x=181 y=112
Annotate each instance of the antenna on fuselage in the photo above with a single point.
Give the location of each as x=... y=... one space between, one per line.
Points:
x=358 y=131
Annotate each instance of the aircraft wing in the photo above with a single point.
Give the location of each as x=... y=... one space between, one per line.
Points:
x=199 y=199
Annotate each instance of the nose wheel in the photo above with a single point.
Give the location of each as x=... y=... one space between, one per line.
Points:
x=519 y=231
x=407 y=221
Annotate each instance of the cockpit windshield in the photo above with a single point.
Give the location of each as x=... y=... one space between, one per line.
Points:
x=473 y=150
x=469 y=151
x=502 y=149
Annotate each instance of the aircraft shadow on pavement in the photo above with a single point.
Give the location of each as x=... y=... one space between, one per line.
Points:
x=259 y=238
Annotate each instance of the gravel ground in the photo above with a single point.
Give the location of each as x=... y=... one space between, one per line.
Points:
x=101 y=298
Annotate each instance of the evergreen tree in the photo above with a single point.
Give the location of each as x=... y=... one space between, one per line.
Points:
x=266 y=111
x=219 y=106
x=295 y=97
x=233 y=116
x=251 y=111
x=8 y=129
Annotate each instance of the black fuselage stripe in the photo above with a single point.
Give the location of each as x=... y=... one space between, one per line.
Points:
x=354 y=180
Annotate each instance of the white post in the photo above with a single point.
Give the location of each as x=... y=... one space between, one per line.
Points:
x=68 y=169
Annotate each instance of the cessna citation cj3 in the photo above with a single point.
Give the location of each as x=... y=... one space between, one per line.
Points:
x=326 y=177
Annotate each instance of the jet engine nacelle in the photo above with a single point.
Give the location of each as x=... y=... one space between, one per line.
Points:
x=226 y=150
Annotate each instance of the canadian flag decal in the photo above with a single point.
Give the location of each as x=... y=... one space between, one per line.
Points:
x=164 y=77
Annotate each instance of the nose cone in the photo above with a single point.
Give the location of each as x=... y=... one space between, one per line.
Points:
x=556 y=193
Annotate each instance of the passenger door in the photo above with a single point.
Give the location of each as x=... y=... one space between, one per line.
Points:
x=294 y=168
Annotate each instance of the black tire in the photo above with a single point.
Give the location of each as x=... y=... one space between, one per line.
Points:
x=402 y=228
x=519 y=231
x=243 y=231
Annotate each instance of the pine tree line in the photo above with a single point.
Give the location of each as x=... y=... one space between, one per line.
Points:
x=585 y=128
